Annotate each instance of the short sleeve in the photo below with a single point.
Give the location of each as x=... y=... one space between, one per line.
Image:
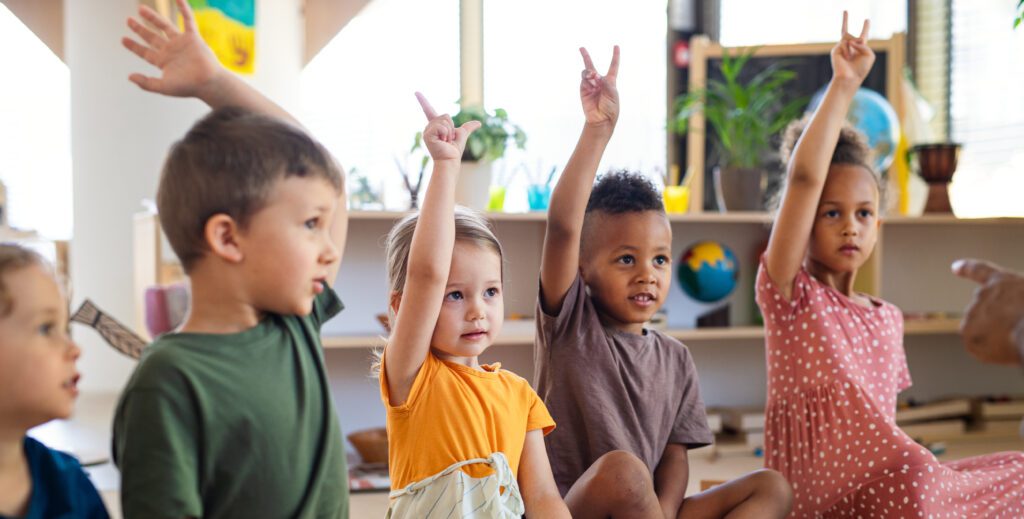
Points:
x=539 y=417
x=326 y=305
x=551 y=329
x=774 y=306
x=420 y=384
x=903 y=380
x=156 y=449
x=690 y=427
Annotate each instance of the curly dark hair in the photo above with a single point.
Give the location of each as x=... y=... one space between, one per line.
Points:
x=624 y=192
x=851 y=149
x=616 y=193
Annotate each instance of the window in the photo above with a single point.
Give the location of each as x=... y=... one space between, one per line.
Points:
x=754 y=22
x=357 y=93
x=35 y=132
x=986 y=108
x=532 y=69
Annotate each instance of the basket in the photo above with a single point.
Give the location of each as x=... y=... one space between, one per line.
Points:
x=371 y=444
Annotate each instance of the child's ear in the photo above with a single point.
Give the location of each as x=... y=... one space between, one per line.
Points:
x=395 y=301
x=221 y=234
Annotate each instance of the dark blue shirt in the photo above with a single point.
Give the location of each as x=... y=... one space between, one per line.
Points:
x=60 y=488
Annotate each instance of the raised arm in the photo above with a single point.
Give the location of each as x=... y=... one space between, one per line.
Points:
x=430 y=256
x=560 y=259
x=808 y=167
x=188 y=68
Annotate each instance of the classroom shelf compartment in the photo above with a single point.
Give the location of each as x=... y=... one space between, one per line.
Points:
x=520 y=333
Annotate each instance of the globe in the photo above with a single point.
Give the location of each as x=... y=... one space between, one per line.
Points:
x=708 y=271
x=873 y=115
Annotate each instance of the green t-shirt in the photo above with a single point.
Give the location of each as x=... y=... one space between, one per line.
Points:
x=237 y=425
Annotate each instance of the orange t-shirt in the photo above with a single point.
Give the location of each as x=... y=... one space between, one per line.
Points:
x=456 y=413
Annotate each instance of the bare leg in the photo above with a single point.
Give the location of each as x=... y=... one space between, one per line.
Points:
x=760 y=494
x=617 y=485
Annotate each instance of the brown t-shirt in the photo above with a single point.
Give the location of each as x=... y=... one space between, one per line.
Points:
x=611 y=390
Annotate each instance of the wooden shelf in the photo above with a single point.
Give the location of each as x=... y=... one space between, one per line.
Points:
x=521 y=333
x=758 y=217
x=947 y=219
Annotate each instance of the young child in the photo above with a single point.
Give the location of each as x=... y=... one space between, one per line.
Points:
x=37 y=384
x=610 y=383
x=232 y=415
x=835 y=357
x=455 y=425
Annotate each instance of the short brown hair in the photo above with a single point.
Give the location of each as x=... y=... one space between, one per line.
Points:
x=227 y=164
x=851 y=149
x=15 y=257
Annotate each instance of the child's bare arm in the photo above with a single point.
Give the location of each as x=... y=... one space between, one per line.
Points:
x=808 y=167
x=540 y=494
x=671 y=479
x=560 y=259
x=188 y=68
x=430 y=256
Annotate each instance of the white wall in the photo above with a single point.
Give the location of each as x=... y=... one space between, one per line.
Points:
x=120 y=136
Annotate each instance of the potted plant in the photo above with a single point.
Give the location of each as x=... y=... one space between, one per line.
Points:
x=483 y=147
x=745 y=117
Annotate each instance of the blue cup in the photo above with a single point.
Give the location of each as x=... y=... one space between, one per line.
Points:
x=539 y=196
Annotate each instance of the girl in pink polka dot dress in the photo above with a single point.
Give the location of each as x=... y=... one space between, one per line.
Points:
x=835 y=357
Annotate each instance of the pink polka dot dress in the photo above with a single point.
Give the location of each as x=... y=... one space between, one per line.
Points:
x=834 y=369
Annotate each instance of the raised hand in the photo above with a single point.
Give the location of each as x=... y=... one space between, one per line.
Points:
x=443 y=140
x=598 y=93
x=851 y=57
x=187 y=65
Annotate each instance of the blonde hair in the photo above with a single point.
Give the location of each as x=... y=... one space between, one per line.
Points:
x=14 y=257
x=470 y=226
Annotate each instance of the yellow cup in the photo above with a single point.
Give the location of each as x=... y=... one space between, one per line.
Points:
x=677 y=199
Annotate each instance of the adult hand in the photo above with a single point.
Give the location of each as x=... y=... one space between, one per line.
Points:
x=993 y=324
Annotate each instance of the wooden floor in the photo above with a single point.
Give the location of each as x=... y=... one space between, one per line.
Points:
x=88 y=437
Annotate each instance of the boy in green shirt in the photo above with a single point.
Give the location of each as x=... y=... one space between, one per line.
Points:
x=232 y=415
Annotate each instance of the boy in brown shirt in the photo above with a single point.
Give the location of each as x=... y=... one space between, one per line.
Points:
x=626 y=398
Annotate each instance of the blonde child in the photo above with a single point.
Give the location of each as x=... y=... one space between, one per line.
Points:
x=835 y=357
x=38 y=383
x=626 y=397
x=455 y=425
x=232 y=415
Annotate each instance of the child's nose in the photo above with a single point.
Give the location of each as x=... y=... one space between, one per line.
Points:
x=330 y=252
x=73 y=350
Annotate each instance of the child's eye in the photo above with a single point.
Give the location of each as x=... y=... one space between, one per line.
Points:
x=312 y=223
x=46 y=329
x=454 y=296
x=864 y=213
x=491 y=292
x=832 y=213
x=661 y=260
x=627 y=260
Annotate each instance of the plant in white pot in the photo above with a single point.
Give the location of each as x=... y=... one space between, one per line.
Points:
x=484 y=147
x=745 y=117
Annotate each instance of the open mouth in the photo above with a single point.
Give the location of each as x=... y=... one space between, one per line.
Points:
x=318 y=284
x=71 y=384
x=643 y=299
